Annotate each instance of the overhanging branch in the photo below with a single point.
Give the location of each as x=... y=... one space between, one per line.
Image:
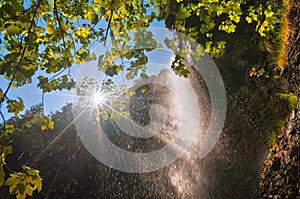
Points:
x=24 y=49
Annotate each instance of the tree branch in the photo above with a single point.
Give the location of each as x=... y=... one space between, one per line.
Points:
x=108 y=26
x=61 y=32
x=2 y=139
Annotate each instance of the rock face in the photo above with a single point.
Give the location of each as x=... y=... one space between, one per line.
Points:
x=291 y=74
x=280 y=177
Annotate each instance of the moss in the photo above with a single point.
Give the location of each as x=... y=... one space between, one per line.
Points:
x=292 y=99
x=272 y=137
x=272 y=156
x=275 y=42
x=283 y=36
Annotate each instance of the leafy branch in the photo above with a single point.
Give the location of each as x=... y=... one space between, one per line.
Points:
x=62 y=35
x=24 y=49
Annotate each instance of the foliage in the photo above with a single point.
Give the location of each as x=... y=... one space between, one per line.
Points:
x=276 y=27
x=41 y=35
x=274 y=134
x=50 y=36
x=24 y=183
x=124 y=52
x=272 y=138
x=267 y=16
x=259 y=71
x=14 y=106
x=47 y=35
x=293 y=99
x=214 y=16
x=75 y=168
x=281 y=123
x=278 y=50
x=179 y=67
x=45 y=122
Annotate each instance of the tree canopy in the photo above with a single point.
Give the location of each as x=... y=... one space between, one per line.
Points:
x=52 y=36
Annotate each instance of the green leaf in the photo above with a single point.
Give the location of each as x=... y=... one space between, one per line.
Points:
x=21 y=188
x=198 y=53
x=13 y=30
x=10 y=181
x=21 y=183
x=90 y=57
x=15 y=106
x=13 y=189
x=221 y=44
x=8 y=149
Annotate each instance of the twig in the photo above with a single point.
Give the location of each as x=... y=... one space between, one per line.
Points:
x=57 y=74
x=62 y=35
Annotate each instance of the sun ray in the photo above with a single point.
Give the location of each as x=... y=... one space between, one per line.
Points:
x=97 y=109
x=60 y=134
x=121 y=115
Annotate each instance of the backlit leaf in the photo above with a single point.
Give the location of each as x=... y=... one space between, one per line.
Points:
x=13 y=29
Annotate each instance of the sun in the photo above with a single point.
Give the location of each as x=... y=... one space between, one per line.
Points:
x=98 y=98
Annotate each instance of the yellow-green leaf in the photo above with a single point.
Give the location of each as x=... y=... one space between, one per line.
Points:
x=43 y=127
x=248 y=19
x=50 y=29
x=51 y=125
x=39 y=183
x=13 y=29
x=29 y=190
x=143 y=90
x=21 y=196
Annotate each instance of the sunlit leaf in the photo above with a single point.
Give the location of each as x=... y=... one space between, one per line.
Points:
x=13 y=29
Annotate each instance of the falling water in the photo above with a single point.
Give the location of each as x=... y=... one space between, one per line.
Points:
x=181 y=109
x=186 y=177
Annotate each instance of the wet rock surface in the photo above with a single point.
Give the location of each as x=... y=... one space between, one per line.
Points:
x=292 y=71
x=281 y=173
